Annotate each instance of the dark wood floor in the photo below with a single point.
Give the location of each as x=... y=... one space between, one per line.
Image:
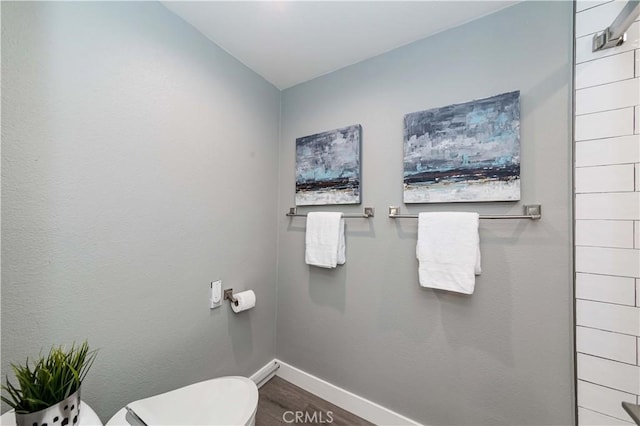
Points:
x=282 y=403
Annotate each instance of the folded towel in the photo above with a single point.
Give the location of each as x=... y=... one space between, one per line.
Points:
x=325 y=245
x=448 y=251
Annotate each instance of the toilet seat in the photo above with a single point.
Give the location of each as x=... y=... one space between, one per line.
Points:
x=231 y=400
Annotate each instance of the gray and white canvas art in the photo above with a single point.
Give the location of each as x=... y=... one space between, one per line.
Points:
x=464 y=152
x=328 y=167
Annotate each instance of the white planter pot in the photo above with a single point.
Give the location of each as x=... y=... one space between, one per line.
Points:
x=64 y=413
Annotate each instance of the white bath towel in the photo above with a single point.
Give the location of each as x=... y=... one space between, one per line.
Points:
x=448 y=250
x=325 y=245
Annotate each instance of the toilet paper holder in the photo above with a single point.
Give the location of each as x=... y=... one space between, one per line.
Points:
x=228 y=295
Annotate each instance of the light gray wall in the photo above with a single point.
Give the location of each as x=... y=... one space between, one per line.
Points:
x=139 y=163
x=501 y=356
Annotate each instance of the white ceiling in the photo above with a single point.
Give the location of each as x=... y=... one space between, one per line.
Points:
x=289 y=42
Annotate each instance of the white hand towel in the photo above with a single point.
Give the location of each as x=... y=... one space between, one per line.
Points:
x=325 y=245
x=448 y=250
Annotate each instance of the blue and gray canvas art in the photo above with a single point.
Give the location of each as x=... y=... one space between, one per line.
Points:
x=464 y=152
x=328 y=167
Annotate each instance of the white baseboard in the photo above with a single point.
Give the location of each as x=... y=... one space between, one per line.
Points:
x=351 y=402
x=263 y=375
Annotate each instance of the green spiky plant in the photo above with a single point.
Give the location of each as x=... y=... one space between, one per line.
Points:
x=50 y=380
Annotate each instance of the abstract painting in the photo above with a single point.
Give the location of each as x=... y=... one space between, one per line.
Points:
x=328 y=167
x=464 y=152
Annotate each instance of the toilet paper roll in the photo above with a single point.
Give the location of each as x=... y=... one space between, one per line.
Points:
x=246 y=300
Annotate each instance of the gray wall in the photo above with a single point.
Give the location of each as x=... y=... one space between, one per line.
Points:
x=501 y=356
x=139 y=163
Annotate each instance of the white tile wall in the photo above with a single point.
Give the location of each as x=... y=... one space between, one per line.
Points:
x=622 y=150
x=606 y=288
x=621 y=94
x=606 y=344
x=611 y=374
x=617 y=178
x=605 y=233
x=587 y=417
x=612 y=206
x=608 y=261
x=607 y=211
x=608 y=317
x=603 y=400
x=588 y=4
x=607 y=70
x=607 y=124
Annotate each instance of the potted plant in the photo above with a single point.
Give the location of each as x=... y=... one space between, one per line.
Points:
x=48 y=391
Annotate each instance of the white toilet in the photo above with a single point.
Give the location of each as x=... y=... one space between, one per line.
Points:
x=231 y=400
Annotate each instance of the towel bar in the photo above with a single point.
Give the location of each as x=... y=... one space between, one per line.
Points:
x=366 y=213
x=531 y=211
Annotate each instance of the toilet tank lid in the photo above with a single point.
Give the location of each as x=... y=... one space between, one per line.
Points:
x=225 y=400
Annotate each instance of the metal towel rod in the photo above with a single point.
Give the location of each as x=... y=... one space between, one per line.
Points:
x=366 y=213
x=531 y=211
x=615 y=34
